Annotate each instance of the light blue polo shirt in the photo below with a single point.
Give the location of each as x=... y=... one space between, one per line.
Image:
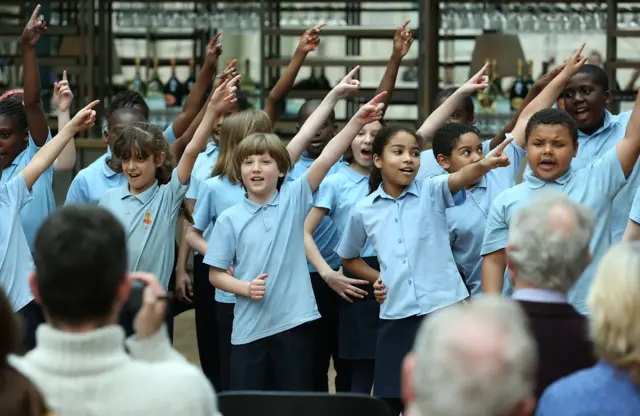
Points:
x=634 y=214
x=595 y=186
x=467 y=220
x=326 y=234
x=92 y=182
x=202 y=168
x=215 y=196
x=267 y=239
x=338 y=194
x=411 y=238
x=15 y=255
x=169 y=134
x=149 y=220
x=43 y=203
x=430 y=167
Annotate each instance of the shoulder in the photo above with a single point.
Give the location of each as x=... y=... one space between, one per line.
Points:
x=577 y=386
x=112 y=194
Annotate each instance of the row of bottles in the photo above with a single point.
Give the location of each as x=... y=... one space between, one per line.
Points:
x=519 y=90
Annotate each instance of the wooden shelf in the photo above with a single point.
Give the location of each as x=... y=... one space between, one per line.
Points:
x=368 y=32
x=161 y=62
x=399 y=96
x=346 y=61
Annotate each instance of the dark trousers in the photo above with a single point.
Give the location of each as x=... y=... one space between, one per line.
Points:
x=326 y=339
x=225 y=326
x=206 y=322
x=280 y=362
x=32 y=317
x=362 y=373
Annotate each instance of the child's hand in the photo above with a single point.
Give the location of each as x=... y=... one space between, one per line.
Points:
x=34 y=28
x=310 y=40
x=84 y=119
x=476 y=83
x=380 y=291
x=229 y=73
x=544 y=80
x=402 y=40
x=371 y=111
x=574 y=63
x=213 y=51
x=62 y=95
x=497 y=158
x=344 y=286
x=348 y=86
x=224 y=97
x=257 y=287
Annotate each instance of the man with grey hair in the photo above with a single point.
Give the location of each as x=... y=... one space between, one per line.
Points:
x=547 y=251
x=472 y=360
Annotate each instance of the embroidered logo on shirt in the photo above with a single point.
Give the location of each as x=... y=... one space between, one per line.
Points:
x=147 y=220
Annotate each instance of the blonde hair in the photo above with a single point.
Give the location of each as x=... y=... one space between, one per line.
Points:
x=613 y=303
x=259 y=144
x=235 y=128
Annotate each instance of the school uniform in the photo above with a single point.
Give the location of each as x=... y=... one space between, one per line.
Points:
x=90 y=184
x=634 y=214
x=418 y=270
x=215 y=196
x=358 y=321
x=149 y=220
x=429 y=166
x=169 y=134
x=326 y=237
x=467 y=220
x=272 y=338
x=35 y=212
x=595 y=186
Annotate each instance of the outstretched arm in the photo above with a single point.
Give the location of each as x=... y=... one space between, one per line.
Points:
x=402 y=41
x=62 y=97
x=472 y=173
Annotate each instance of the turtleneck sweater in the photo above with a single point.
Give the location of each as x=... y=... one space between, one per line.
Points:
x=91 y=374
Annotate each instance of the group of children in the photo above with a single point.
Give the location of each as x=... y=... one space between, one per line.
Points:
x=291 y=241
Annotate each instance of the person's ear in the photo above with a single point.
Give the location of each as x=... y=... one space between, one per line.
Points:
x=444 y=162
x=608 y=98
x=160 y=159
x=377 y=161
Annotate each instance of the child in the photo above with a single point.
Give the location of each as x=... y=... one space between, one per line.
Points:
x=148 y=207
x=15 y=255
x=272 y=335
x=551 y=138
x=404 y=220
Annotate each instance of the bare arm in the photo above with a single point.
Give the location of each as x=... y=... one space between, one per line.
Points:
x=628 y=148
x=493 y=266
x=310 y=247
x=402 y=41
x=632 y=232
x=62 y=97
x=196 y=240
x=473 y=172
x=361 y=269
x=222 y=280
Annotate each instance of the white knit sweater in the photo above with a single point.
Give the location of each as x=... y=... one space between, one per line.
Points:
x=90 y=374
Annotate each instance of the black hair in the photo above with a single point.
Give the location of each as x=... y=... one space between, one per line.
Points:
x=129 y=99
x=598 y=75
x=242 y=101
x=552 y=117
x=467 y=101
x=80 y=260
x=310 y=106
x=447 y=136
x=377 y=148
x=14 y=109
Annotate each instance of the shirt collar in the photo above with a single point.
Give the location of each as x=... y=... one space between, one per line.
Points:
x=211 y=148
x=354 y=176
x=540 y=295
x=106 y=170
x=143 y=197
x=481 y=184
x=609 y=120
x=534 y=182
x=254 y=207
x=411 y=189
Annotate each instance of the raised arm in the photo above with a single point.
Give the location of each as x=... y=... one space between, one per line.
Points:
x=370 y=112
x=402 y=41
x=308 y=43
x=472 y=173
x=42 y=160
x=36 y=118
x=628 y=148
x=62 y=97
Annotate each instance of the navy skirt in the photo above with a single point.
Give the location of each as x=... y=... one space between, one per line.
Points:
x=359 y=322
x=395 y=340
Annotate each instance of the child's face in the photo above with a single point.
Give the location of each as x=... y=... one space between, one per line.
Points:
x=361 y=145
x=140 y=171
x=550 y=149
x=468 y=150
x=260 y=174
x=585 y=101
x=322 y=137
x=12 y=141
x=460 y=115
x=400 y=160
x=120 y=121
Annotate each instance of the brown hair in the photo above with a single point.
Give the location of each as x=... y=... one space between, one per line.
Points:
x=18 y=396
x=259 y=144
x=235 y=128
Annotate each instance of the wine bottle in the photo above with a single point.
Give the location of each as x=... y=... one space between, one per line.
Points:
x=247 y=85
x=487 y=98
x=529 y=80
x=154 y=85
x=314 y=82
x=191 y=81
x=497 y=81
x=518 y=90
x=173 y=88
x=323 y=81
x=137 y=84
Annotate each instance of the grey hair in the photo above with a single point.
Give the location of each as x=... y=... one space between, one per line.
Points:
x=549 y=241
x=474 y=360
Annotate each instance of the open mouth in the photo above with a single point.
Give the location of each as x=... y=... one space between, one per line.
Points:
x=366 y=153
x=134 y=175
x=257 y=179
x=581 y=112
x=407 y=171
x=547 y=165
x=317 y=143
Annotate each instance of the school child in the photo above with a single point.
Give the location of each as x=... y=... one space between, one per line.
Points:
x=403 y=218
x=15 y=255
x=149 y=204
x=551 y=138
x=263 y=239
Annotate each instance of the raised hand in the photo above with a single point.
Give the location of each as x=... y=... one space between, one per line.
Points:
x=545 y=79
x=84 y=119
x=229 y=73
x=62 y=95
x=574 y=63
x=224 y=97
x=257 y=287
x=310 y=40
x=348 y=86
x=33 y=29
x=402 y=40
x=476 y=83
x=213 y=51
x=371 y=111
x=497 y=158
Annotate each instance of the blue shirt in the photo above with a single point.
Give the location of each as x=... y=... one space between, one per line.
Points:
x=92 y=182
x=149 y=220
x=43 y=203
x=408 y=233
x=267 y=239
x=596 y=391
x=15 y=256
x=215 y=196
x=595 y=186
x=634 y=214
x=202 y=168
x=169 y=134
x=467 y=220
x=430 y=167
x=338 y=194
x=326 y=234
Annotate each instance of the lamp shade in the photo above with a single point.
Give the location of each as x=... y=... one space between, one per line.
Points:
x=504 y=49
